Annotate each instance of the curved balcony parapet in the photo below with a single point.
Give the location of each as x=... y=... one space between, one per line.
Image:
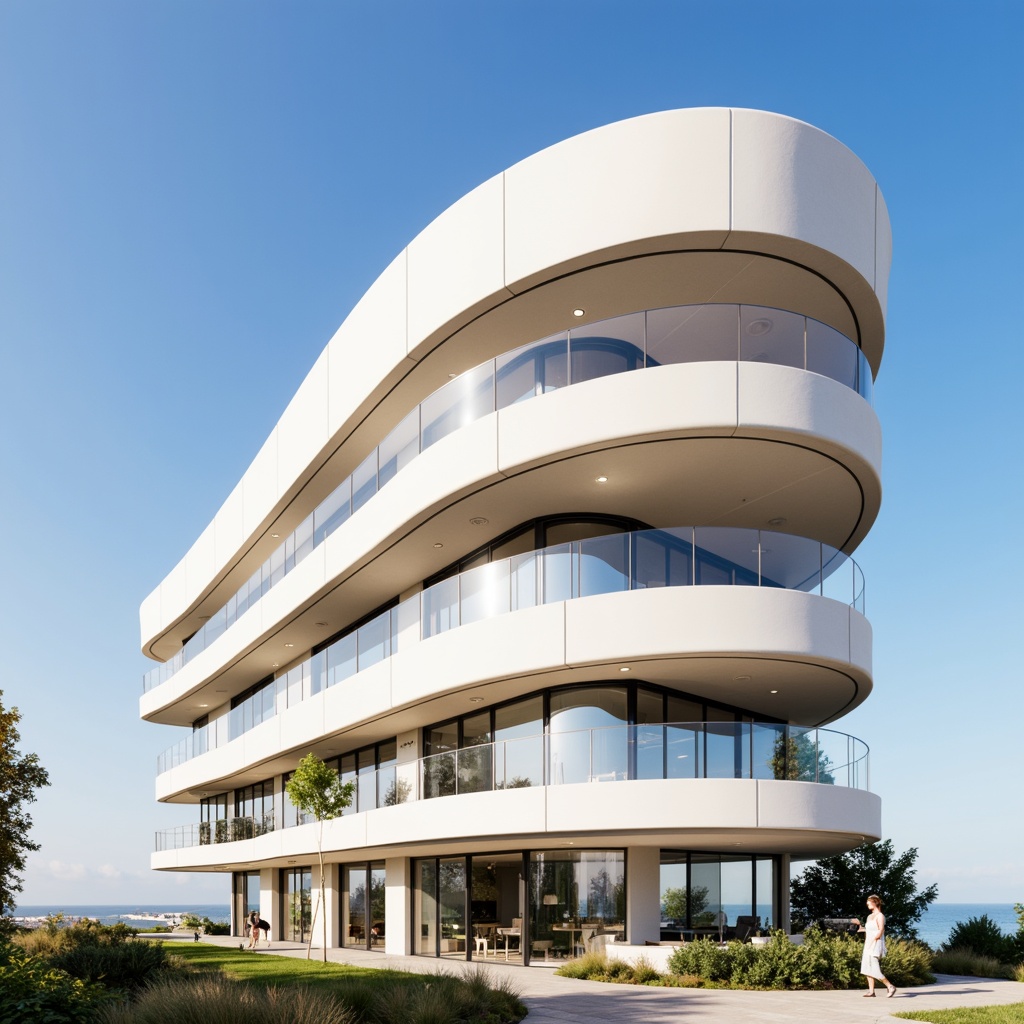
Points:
x=673 y=750
x=638 y=560
x=678 y=334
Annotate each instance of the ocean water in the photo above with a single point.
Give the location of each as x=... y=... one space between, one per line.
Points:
x=133 y=914
x=938 y=920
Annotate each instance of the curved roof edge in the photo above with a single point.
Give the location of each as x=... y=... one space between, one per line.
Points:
x=700 y=179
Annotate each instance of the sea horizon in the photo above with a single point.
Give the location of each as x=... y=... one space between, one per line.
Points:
x=933 y=928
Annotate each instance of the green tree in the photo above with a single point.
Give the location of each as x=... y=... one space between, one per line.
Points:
x=676 y=902
x=20 y=776
x=838 y=886
x=797 y=757
x=316 y=789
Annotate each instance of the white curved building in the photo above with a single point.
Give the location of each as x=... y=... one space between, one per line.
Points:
x=550 y=555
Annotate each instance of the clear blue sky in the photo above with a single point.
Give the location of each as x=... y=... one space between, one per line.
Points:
x=194 y=193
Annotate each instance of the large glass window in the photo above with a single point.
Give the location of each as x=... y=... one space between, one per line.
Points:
x=576 y=896
x=724 y=896
x=297 y=903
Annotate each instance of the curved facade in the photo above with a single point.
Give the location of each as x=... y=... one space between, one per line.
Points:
x=570 y=498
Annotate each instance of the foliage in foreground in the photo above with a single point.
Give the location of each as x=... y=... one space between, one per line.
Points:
x=373 y=996
x=387 y=999
x=32 y=990
x=20 y=776
x=1012 y=1013
x=974 y=965
x=824 y=961
x=838 y=887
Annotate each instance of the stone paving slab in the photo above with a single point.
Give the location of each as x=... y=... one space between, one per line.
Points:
x=555 y=1000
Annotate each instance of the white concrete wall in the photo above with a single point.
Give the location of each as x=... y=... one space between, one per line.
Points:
x=674 y=623
x=693 y=400
x=698 y=813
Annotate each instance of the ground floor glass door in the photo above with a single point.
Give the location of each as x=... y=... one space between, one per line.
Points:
x=363 y=905
x=245 y=899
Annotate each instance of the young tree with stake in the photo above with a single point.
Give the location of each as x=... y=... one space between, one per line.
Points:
x=316 y=789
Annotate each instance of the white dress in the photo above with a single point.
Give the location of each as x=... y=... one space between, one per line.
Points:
x=874 y=947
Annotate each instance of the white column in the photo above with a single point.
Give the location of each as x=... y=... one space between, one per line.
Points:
x=398 y=906
x=330 y=907
x=270 y=901
x=785 y=922
x=643 y=894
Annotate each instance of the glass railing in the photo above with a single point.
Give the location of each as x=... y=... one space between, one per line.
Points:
x=675 y=750
x=657 y=337
x=641 y=560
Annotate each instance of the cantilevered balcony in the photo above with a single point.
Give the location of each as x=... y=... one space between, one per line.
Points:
x=641 y=560
x=680 y=334
x=678 y=750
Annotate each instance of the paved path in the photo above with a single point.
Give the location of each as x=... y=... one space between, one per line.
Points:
x=555 y=1000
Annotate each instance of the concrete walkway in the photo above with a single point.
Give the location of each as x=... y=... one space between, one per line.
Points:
x=555 y=1000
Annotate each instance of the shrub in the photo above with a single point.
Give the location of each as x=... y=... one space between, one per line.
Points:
x=983 y=936
x=121 y=965
x=824 y=961
x=213 y=999
x=967 y=962
x=590 y=966
x=32 y=990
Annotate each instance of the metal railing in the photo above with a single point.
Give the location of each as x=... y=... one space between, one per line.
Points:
x=619 y=753
x=638 y=560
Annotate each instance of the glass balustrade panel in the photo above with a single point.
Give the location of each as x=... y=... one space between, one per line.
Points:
x=831 y=354
x=485 y=592
x=460 y=402
x=440 y=607
x=603 y=565
x=726 y=556
x=399 y=448
x=790 y=562
x=373 y=641
x=692 y=334
x=606 y=348
x=332 y=511
x=364 y=481
x=771 y=336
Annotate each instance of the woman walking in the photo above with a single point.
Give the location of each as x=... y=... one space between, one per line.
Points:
x=874 y=948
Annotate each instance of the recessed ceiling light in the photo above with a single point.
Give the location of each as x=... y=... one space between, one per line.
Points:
x=601 y=480
x=777 y=521
x=452 y=376
x=773 y=691
x=476 y=700
x=275 y=535
x=578 y=312
x=320 y=624
x=478 y=521
x=204 y=618
x=625 y=668
x=289 y=645
x=741 y=679
x=204 y=705
x=438 y=545
x=276 y=664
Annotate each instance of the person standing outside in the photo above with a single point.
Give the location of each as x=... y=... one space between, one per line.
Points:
x=254 y=929
x=874 y=947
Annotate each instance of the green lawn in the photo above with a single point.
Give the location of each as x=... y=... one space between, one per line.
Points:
x=1013 y=1013
x=278 y=970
